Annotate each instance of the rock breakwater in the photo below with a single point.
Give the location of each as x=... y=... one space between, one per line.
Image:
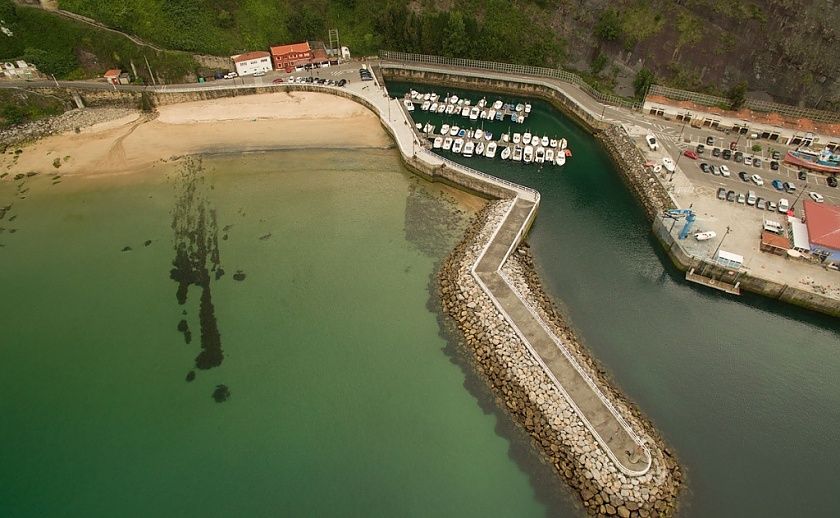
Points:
x=72 y=120
x=533 y=399
x=630 y=162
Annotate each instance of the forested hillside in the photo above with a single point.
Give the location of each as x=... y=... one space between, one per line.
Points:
x=786 y=48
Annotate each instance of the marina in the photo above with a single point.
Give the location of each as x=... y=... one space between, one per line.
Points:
x=454 y=105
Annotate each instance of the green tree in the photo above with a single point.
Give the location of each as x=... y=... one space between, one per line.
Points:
x=59 y=62
x=456 y=43
x=641 y=85
x=608 y=27
x=737 y=95
x=306 y=23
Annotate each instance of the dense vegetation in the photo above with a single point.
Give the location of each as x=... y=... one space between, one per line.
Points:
x=72 y=50
x=17 y=106
x=494 y=29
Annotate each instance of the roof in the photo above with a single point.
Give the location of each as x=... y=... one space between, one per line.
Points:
x=114 y=72
x=823 y=221
x=248 y=56
x=800 y=234
x=286 y=49
x=774 y=240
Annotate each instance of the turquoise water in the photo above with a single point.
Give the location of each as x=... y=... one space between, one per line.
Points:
x=743 y=388
x=344 y=397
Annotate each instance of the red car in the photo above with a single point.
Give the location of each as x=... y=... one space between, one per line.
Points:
x=278 y=80
x=690 y=154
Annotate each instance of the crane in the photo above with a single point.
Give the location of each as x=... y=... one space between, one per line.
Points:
x=676 y=214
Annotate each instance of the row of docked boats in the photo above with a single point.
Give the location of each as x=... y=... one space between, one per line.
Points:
x=517 y=147
x=453 y=105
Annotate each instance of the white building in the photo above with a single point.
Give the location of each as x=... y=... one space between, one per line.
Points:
x=252 y=62
x=19 y=70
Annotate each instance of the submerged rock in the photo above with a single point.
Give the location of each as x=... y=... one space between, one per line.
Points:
x=267 y=236
x=190 y=376
x=126 y=249
x=221 y=394
x=148 y=242
x=239 y=275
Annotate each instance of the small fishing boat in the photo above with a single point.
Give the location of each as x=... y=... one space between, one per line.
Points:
x=426 y=96
x=527 y=108
x=544 y=141
x=491 y=115
x=473 y=113
x=539 y=155
x=482 y=103
x=462 y=132
x=668 y=164
x=419 y=125
x=517 y=153
x=561 y=158
x=465 y=112
x=479 y=133
x=505 y=137
x=563 y=143
x=408 y=105
x=526 y=138
x=425 y=106
x=450 y=109
x=428 y=128
x=520 y=119
x=458 y=145
x=568 y=152
x=497 y=105
x=447 y=143
x=453 y=99
x=517 y=138
x=469 y=147
x=520 y=107
x=454 y=130
x=434 y=97
x=705 y=236
x=491 y=150
x=505 y=153
x=479 y=149
x=500 y=115
x=433 y=107
x=553 y=142
x=488 y=135
x=414 y=94
x=444 y=129
x=441 y=108
x=437 y=143
x=528 y=154
x=549 y=155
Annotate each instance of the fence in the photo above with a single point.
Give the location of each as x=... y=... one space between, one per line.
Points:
x=508 y=68
x=784 y=110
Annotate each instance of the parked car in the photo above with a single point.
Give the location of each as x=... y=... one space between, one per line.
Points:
x=748 y=160
x=721 y=193
x=778 y=185
x=784 y=205
x=751 y=197
x=738 y=157
x=726 y=154
x=760 y=204
x=817 y=197
x=278 y=81
x=231 y=75
x=802 y=175
x=757 y=179
x=690 y=154
x=743 y=176
x=651 y=142
x=771 y=205
x=714 y=170
x=774 y=165
x=716 y=152
x=831 y=181
x=724 y=171
x=757 y=162
x=259 y=74
x=342 y=82
x=741 y=198
x=730 y=196
x=710 y=140
x=789 y=187
x=700 y=149
x=775 y=155
x=705 y=167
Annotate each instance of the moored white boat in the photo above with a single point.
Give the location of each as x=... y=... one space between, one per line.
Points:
x=426 y=96
x=458 y=145
x=497 y=105
x=434 y=97
x=526 y=138
x=491 y=114
x=453 y=99
x=488 y=135
x=414 y=94
x=465 y=112
x=544 y=141
x=433 y=107
x=563 y=143
x=447 y=143
x=561 y=158
x=425 y=106
x=437 y=143
x=705 y=236
x=668 y=164
x=479 y=149
x=539 y=155
x=520 y=107
x=549 y=155
x=491 y=150
x=408 y=105
x=528 y=154
x=473 y=113
x=482 y=102
x=441 y=108
x=469 y=147
x=479 y=133
x=444 y=129
x=505 y=153
x=527 y=108
x=517 y=153
x=450 y=109
x=517 y=138
x=553 y=142
x=454 y=130
x=428 y=128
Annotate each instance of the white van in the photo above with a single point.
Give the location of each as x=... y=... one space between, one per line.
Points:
x=773 y=226
x=750 y=197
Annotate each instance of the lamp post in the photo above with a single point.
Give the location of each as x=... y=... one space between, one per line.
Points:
x=804 y=188
x=703 y=273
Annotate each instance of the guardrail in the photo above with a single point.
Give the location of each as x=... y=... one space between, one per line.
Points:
x=510 y=68
x=515 y=186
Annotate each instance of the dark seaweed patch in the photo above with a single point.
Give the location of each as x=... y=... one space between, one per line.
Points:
x=221 y=394
x=265 y=237
x=190 y=376
x=184 y=328
x=239 y=275
x=126 y=249
x=148 y=242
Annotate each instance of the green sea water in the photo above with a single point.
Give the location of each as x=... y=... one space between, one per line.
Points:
x=743 y=388
x=345 y=397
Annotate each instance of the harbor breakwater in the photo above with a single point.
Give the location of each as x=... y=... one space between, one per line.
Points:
x=531 y=397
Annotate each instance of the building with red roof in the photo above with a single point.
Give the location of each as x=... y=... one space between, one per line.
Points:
x=288 y=57
x=823 y=222
x=252 y=62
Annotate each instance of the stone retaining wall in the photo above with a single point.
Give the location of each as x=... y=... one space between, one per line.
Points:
x=531 y=396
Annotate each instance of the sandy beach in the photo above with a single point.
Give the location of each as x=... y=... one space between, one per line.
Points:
x=246 y=123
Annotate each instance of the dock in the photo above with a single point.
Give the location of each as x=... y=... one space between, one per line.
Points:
x=732 y=289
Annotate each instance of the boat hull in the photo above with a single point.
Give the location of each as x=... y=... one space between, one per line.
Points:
x=792 y=159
